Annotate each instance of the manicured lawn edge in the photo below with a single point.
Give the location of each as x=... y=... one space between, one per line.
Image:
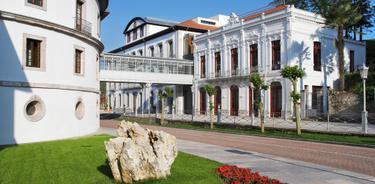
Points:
x=83 y=160
x=311 y=136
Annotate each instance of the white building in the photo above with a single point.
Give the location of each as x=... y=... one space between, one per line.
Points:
x=49 y=69
x=166 y=40
x=266 y=42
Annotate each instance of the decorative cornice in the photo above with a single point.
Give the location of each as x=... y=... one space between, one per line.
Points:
x=52 y=26
x=18 y=84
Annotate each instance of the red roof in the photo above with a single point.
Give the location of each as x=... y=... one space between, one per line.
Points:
x=273 y=10
x=193 y=24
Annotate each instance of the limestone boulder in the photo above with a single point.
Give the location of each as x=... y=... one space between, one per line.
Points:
x=140 y=154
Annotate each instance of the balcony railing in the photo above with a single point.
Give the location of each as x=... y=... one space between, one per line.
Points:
x=115 y=62
x=83 y=26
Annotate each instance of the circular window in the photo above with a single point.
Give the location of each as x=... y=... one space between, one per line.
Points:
x=34 y=109
x=79 y=110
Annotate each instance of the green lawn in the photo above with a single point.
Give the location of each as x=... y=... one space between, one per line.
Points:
x=246 y=130
x=84 y=161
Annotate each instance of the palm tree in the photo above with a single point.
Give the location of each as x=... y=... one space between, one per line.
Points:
x=293 y=74
x=211 y=91
x=259 y=85
x=339 y=15
x=165 y=94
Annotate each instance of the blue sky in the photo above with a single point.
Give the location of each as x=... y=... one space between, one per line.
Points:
x=122 y=11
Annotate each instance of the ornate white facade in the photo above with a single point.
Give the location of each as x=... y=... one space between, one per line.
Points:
x=49 y=69
x=265 y=43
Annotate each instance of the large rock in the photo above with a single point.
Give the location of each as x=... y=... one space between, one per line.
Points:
x=140 y=154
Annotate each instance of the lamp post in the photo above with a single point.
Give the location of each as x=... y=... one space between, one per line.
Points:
x=364 y=72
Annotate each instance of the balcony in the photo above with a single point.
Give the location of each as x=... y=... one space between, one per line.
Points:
x=83 y=26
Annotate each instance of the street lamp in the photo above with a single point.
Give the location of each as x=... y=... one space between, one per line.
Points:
x=364 y=73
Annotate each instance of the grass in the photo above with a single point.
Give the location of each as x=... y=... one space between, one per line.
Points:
x=277 y=133
x=84 y=161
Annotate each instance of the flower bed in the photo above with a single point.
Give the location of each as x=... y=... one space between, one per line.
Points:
x=231 y=174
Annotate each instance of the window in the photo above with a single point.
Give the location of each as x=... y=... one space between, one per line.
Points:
x=79 y=109
x=134 y=34
x=34 y=109
x=234 y=63
x=217 y=64
x=170 y=48
x=36 y=2
x=33 y=53
x=128 y=37
x=140 y=52
x=188 y=47
x=254 y=57
x=203 y=67
x=98 y=25
x=160 y=47
x=141 y=31
x=79 y=15
x=78 y=61
x=152 y=53
x=276 y=55
x=317 y=57
x=133 y=53
x=351 y=58
x=208 y=22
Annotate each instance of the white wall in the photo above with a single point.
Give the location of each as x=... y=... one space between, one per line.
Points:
x=57 y=85
x=59 y=12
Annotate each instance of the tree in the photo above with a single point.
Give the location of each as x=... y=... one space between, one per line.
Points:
x=211 y=91
x=367 y=11
x=293 y=74
x=165 y=94
x=259 y=85
x=301 y=4
x=339 y=15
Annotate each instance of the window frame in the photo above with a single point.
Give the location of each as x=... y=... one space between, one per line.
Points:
x=202 y=60
x=234 y=57
x=254 y=51
x=276 y=55
x=42 y=52
x=82 y=61
x=317 y=56
x=43 y=7
x=217 y=57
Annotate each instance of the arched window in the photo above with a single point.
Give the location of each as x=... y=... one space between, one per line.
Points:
x=234 y=104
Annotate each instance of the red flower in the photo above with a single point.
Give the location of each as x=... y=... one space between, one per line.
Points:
x=231 y=174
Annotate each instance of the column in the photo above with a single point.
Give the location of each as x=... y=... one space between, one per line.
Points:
x=225 y=102
x=209 y=60
x=242 y=51
x=243 y=100
x=147 y=97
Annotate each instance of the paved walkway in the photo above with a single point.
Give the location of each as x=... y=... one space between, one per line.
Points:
x=335 y=125
x=291 y=159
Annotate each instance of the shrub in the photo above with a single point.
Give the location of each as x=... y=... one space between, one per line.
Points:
x=231 y=174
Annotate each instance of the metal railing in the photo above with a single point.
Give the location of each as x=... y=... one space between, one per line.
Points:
x=83 y=26
x=113 y=62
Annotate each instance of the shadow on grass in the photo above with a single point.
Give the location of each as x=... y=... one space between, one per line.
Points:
x=105 y=169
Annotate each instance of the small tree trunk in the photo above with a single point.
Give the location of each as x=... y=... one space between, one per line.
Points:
x=162 y=112
x=211 y=113
x=360 y=33
x=297 y=115
x=340 y=47
x=261 y=117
